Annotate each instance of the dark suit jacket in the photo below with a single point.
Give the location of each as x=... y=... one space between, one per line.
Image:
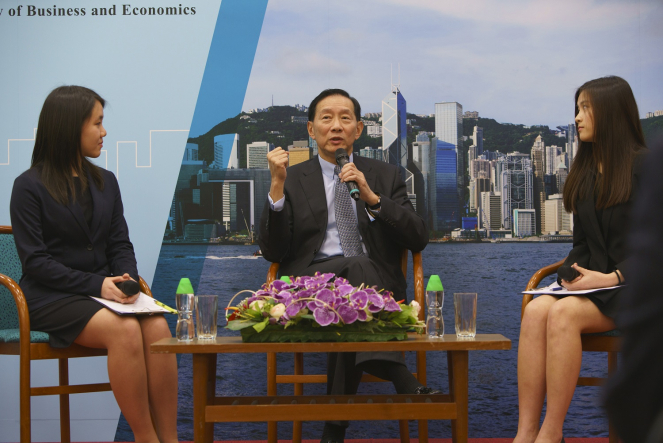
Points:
x=60 y=254
x=601 y=245
x=294 y=235
x=635 y=392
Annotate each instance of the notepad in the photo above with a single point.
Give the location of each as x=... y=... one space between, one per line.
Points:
x=556 y=289
x=144 y=305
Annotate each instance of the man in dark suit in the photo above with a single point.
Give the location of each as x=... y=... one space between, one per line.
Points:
x=305 y=229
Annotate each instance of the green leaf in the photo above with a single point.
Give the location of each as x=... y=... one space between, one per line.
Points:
x=237 y=325
x=298 y=333
x=260 y=326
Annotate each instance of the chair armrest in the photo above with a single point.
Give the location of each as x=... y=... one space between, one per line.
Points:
x=534 y=281
x=271 y=274
x=144 y=287
x=22 y=310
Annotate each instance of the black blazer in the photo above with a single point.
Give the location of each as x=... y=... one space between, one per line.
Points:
x=601 y=245
x=294 y=235
x=60 y=254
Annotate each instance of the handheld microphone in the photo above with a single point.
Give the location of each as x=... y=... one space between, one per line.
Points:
x=341 y=160
x=567 y=273
x=129 y=287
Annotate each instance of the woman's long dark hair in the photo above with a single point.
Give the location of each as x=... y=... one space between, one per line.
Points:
x=58 y=142
x=617 y=138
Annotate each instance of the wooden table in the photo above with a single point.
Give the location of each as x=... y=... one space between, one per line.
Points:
x=208 y=409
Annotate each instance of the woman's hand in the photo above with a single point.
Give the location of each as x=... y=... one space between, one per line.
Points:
x=590 y=280
x=110 y=291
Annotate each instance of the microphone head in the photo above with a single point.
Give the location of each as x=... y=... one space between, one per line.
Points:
x=567 y=273
x=129 y=287
x=340 y=153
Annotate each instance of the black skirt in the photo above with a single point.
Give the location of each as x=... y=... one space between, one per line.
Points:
x=608 y=301
x=64 y=319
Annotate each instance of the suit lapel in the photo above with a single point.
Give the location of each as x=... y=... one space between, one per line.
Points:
x=97 y=205
x=77 y=212
x=314 y=189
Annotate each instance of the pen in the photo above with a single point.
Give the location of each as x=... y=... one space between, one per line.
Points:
x=166 y=307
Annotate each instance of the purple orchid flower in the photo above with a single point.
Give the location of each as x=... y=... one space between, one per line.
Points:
x=324 y=316
x=348 y=314
x=390 y=304
x=359 y=299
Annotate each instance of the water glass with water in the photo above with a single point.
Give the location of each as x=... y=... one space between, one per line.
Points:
x=465 y=309
x=184 y=330
x=206 y=316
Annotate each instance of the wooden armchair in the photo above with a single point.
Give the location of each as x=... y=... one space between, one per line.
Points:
x=16 y=338
x=298 y=379
x=609 y=342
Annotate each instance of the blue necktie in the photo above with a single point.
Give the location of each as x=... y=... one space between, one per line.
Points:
x=346 y=220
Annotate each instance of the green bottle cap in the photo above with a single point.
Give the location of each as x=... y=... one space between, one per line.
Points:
x=286 y=279
x=184 y=287
x=434 y=283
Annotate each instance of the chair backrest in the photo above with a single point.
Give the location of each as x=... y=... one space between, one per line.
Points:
x=10 y=265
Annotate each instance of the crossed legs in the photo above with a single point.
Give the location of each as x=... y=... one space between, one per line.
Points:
x=141 y=381
x=549 y=358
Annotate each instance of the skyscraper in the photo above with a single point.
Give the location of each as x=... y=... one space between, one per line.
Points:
x=551 y=158
x=524 y=222
x=449 y=129
x=298 y=155
x=394 y=127
x=226 y=153
x=490 y=212
x=538 y=186
x=570 y=142
x=557 y=219
x=516 y=186
x=256 y=155
x=190 y=153
x=442 y=186
x=477 y=139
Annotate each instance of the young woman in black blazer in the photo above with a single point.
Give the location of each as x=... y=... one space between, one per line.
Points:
x=599 y=191
x=73 y=241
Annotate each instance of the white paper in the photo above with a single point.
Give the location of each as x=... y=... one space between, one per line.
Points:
x=144 y=305
x=556 y=289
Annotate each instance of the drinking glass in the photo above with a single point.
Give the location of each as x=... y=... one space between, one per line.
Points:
x=206 y=314
x=465 y=309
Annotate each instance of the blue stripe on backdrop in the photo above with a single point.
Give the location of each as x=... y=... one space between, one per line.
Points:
x=221 y=96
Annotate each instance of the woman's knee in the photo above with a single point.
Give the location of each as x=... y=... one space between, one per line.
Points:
x=155 y=327
x=536 y=312
x=562 y=316
x=126 y=333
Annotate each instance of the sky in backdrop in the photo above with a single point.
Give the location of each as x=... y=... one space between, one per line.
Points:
x=517 y=61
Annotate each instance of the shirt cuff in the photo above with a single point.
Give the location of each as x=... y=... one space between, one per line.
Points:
x=372 y=213
x=276 y=206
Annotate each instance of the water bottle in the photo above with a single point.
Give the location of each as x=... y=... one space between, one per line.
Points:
x=434 y=303
x=435 y=323
x=185 y=302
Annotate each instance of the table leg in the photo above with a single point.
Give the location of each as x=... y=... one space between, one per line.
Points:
x=272 y=426
x=204 y=387
x=299 y=390
x=458 y=381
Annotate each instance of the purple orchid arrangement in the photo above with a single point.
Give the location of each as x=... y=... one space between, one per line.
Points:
x=319 y=301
